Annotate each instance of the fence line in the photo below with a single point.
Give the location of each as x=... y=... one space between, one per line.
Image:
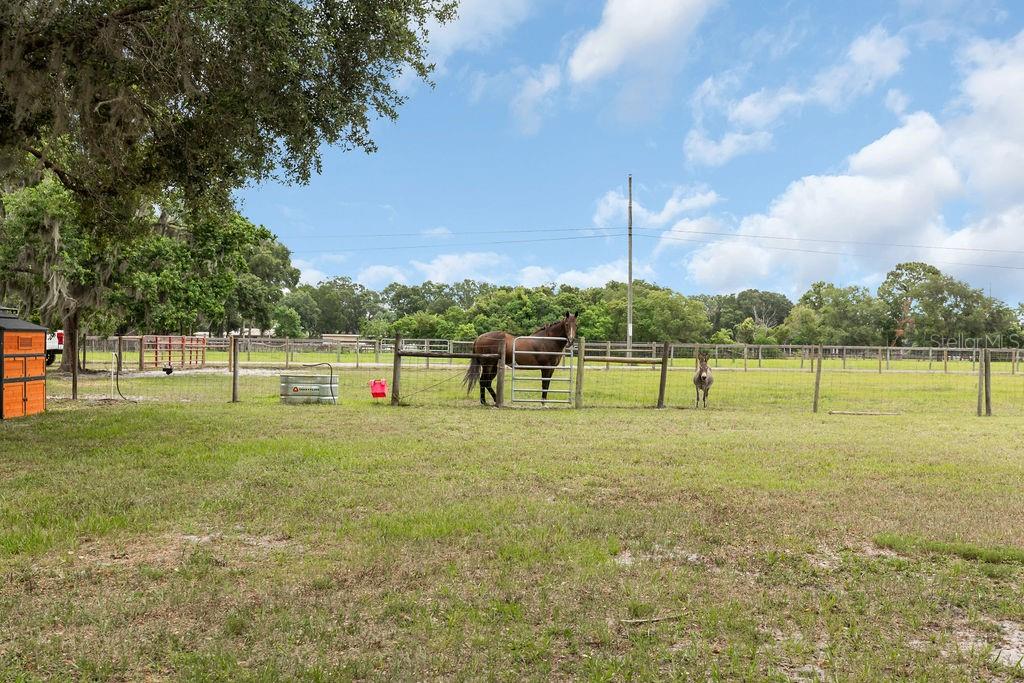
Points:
x=785 y=377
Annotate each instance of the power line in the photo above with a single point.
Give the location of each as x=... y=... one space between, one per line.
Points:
x=835 y=241
x=611 y=231
x=830 y=253
x=449 y=245
x=676 y=238
x=426 y=233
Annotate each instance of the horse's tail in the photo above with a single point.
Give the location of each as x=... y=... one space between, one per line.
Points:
x=472 y=374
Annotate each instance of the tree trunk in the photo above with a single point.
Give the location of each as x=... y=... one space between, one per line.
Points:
x=71 y=350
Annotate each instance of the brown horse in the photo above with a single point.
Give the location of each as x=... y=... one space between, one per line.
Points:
x=534 y=352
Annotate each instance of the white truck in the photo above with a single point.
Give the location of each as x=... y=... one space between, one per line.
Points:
x=54 y=346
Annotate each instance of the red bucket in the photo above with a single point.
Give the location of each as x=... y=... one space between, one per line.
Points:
x=378 y=388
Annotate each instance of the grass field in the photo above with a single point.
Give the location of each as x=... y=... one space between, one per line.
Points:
x=263 y=542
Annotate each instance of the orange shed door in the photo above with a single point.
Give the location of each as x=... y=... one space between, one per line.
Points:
x=35 y=366
x=13 y=367
x=14 y=399
x=35 y=397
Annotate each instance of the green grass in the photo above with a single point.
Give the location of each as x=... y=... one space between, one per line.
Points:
x=968 y=551
x=265 y=542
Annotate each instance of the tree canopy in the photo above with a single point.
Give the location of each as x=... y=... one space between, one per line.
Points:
x=121 y=99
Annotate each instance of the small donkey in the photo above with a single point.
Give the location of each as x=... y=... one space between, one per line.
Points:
x=702 y=379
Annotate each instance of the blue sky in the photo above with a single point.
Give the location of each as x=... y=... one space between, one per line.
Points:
x=771 y=145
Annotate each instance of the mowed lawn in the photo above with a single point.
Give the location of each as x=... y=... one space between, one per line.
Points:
x=265 y=542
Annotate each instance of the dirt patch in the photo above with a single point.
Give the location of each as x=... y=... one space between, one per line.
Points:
x=171 y=550
x=1010 y=651
x=872 y=550
x=662 y=554
x=1007 y=648
x=809 y=671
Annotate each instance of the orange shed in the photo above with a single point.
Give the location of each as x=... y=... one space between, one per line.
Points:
x=22 y=367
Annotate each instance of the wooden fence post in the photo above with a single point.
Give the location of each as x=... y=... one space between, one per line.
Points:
x=235 y=362
x=357 y=353
x=607 y=354
x=396 y=371
x=817 y=381
x=580 y=365
x=879 y=360
x=988 y=382
x=376 y=351
x=1013 y=362
x=744 y=358
x=981 y=384
x=120 y=350
x=664 y=374
x=945 y=360
x=73 y=352
x=888 y=353
x=759 y=355
x=499 y=380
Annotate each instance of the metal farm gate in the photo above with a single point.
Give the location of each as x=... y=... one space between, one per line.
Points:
x=527 y=387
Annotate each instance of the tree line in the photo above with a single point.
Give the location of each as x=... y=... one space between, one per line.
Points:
x=916 y=305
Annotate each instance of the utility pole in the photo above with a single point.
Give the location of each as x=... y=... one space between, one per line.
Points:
x=629 y=281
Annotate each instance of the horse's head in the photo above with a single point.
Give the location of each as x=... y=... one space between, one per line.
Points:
x=569 y=325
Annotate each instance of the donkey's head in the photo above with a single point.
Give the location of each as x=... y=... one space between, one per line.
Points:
x=702 y=365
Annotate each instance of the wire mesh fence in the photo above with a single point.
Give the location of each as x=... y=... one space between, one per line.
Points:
x=746 y=377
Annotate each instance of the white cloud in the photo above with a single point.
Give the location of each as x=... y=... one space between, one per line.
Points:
x=688 y=231
x=595 y=276
x=479 y=26
x=871 y=59
x=378 y=276
x=634 y=30
x=894 y=190
x=612 y=207
x=893 y=186
x=714 y=93
x=532 y=276
x=439 y=232
x=896 y=101
x=455 y=267
x=534 y=97
x=703 y=150
x=310 y=274
x=729 y=265
x=1002 y=232
x=989 y=141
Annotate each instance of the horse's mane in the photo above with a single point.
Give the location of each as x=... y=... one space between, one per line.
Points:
x=545 y=328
